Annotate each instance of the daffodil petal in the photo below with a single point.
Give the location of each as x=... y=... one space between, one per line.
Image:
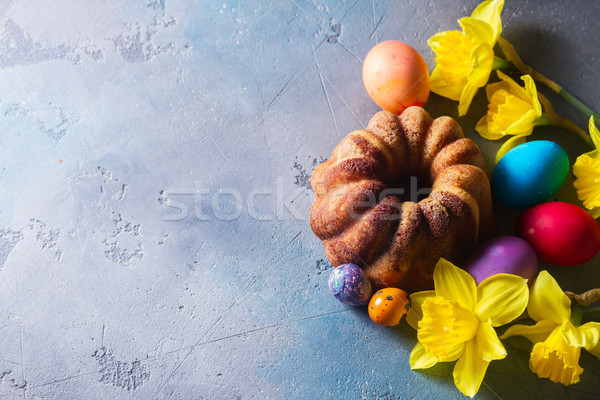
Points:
x=547 y=300
x=455 y=284
x=439 y=42
x=415 y=313
x=509 y=145
x=571 y=334
x=479 y=31
x=469 y=370
x=482 y=58
x=490 y=347
x=535 y=333
x=523 y=125
x=454 y=353
x=466 y=97
x=532 y=91
x=483 y=130
x=513 y=87
x=421 y=359
x=502 y=298
x=595 y=351
x=594 y=133
x=441 y=87
x=489 y=11
x=587 y=335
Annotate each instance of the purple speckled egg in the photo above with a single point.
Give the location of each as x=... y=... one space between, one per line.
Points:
x=349 y=284
x=504 y=254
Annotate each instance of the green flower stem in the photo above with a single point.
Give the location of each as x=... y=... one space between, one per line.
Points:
x=561 y=121
x=543 y=120
x=578 y=104
x=501 y=63
x=576 y=314
x=592 y=313
x=511 y=56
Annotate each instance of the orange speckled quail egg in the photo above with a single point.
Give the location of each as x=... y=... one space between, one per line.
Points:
x=388 y=306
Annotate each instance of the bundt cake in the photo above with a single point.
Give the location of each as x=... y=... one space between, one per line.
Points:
x=363 y=218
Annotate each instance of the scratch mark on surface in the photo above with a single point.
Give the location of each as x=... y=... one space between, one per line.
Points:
x=584 y=62
x=217 y=145
x=306 y=12
x=151 y=102
x=374 y=24
x=280 y=324
x=113 y=13
x=192 y=348
x=344 y=102
x=280 y=91
x=23 y=361
x=374 y=32
x=262 y=328
x=325 y=92
x=10 y=362
x=351 y=53
x=216 y=326
x=23 y=369
x=507 y=20
x=348 y=10
x=62 y=380
x=213 y=328
x=295 y=237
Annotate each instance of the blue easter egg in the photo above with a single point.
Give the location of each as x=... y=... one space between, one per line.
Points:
x=530 y=174
x=349 y=284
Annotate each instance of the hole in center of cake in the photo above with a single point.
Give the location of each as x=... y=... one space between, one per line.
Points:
x=412 y=188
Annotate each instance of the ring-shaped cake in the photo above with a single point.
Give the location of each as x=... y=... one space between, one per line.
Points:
x=367 y=208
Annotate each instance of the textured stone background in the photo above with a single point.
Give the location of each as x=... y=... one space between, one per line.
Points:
x=154 y=238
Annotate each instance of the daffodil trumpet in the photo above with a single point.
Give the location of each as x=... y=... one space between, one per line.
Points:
x=513 y=58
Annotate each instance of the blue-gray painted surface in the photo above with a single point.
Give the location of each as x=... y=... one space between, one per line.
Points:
x=156 y=155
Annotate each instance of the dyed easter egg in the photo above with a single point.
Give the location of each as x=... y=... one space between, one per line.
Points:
x=504 y=254
x=560 y=233
x=349 y=284
x=396 y=76
x=388 y=306
x=530 y=174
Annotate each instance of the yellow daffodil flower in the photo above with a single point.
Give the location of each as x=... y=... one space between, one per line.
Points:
x=557 y=338
x=515 y=110
x=587 y=174
x=464 y=59
x=512 y=109
x=456 y=322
